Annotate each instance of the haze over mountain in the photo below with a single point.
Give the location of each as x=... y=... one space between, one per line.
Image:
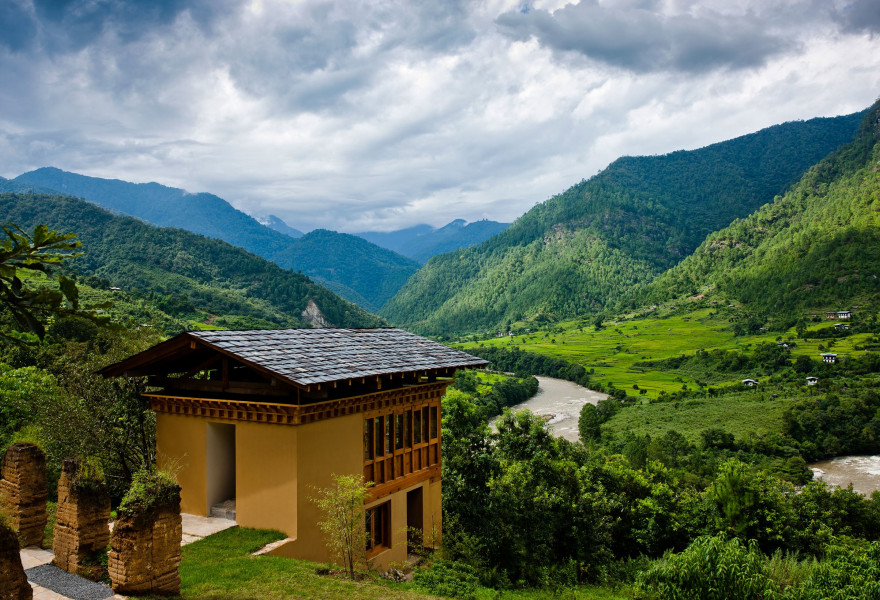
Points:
x=582 y=249
x=371 y=276
x=421 y=242
x=276 y=223
x=817 y=247
x=184 y=273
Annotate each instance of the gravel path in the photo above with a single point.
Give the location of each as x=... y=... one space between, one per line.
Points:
x=68 y=584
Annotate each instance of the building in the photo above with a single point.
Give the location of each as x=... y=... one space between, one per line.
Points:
x=829 y=357
x=259 y=420
x=749 y=382
x=844 y=314
x=812 y=380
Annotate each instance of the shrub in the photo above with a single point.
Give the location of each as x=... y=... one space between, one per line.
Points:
x=448 y=578
x=151 y=489
x=711 y=568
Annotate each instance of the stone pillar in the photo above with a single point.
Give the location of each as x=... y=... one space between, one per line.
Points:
x=82 y=528
x=23 y=492
x=13 y=582
x=145 y=552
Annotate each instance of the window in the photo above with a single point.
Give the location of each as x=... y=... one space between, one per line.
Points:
x=378 y=524
x=401 y=442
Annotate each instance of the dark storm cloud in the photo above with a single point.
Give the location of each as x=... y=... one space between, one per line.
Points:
x=638 y=37
x=860 y=16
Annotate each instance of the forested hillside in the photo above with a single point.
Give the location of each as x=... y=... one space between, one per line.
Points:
x=423 y=241
x=584 y=248
x=817 y=247
x=340 y=261
x=180 y=272
x=377 y=274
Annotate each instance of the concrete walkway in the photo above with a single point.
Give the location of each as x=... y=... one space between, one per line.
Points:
x=194 y=529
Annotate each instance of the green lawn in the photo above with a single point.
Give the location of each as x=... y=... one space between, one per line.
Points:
x=221 y=567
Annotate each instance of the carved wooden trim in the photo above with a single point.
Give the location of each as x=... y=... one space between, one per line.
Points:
x=293 y=414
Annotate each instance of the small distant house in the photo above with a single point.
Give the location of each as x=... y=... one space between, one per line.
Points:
x=829 y=357
x=749 y=382
x=782 y=344
x=812 y=380
x=115 y=289
x=842 y=327
x=831 y=314
x=844 y=314
x=256 y=421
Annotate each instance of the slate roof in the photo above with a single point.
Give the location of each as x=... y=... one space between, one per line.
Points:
x=311 y=356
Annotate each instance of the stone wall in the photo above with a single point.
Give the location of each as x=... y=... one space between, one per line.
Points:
x=145 y=553
x=82 y=528
x=23 y=491
x=13 y=582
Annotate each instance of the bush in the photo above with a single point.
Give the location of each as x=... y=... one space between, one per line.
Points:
x=711 y=568
x=448 y=578
x=151 y=489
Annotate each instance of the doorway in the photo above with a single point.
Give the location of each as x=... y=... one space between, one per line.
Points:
x=415 y=521
x=220 y=467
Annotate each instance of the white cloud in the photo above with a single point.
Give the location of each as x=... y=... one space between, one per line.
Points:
x=365 y=114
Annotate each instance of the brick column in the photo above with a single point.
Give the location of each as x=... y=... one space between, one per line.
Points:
x=13 y=582
x=145 y=552
x=82 y=528
x=23 y=491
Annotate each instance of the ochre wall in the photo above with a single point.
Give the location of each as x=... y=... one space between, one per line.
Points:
x=181 y=446
x=267 y=488
x=333 y=446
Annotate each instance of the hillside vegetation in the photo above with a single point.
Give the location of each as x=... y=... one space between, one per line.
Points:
x=584 y=248
x=817 y=247
x=359 y=271
x=181 y=273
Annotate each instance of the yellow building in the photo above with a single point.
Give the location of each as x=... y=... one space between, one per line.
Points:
x=256 y=421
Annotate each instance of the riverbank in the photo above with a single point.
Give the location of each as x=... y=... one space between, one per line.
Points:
x=560 y=402
x=862 y=471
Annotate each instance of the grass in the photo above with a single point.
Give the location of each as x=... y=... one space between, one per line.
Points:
x=612 y=351
x=49 y=532
x=221 y=567
x=740 y=413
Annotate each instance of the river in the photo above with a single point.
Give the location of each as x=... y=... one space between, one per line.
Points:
x=862 y=471
x=560 y=402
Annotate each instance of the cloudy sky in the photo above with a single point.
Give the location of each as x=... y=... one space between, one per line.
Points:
x=379 y=114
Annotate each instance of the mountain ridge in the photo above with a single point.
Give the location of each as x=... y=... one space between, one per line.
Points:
x=581 y=249
x=212 y=216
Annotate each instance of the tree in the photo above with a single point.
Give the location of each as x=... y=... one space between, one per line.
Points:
x=343 y=523
x=588 y=423
x=39 y=253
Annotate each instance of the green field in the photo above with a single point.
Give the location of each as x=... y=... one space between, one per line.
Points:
x=612 y=351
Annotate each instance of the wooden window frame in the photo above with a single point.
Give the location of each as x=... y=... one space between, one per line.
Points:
x=396 y=454
x=378 y=525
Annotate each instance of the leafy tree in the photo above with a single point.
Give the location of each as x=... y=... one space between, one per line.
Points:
x=343 y=522
x=588 y=423
x=39 y=252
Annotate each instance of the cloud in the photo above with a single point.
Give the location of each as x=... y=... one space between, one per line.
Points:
x=641 y=37
x=377 y=114
x=859 y=16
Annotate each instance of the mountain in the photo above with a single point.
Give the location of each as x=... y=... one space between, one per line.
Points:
x=817 y=247
x=421 y=242
x=582 y=249
x=182 y=273
x=214 y=217
x=353 y=261
x=273 y=222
